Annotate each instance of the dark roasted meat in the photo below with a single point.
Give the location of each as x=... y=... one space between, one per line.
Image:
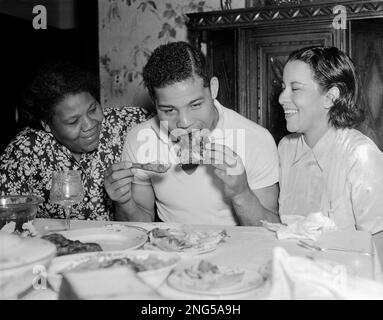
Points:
x=66 y=246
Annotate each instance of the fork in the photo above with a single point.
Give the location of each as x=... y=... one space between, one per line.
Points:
x=154 y=167
x=318 y=248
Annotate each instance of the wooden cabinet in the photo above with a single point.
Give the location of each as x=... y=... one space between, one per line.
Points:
x=247 y=49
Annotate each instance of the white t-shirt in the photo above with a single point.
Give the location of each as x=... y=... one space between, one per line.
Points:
x=198 y=198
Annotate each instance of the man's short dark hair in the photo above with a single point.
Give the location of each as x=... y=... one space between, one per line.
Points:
x=174 y=62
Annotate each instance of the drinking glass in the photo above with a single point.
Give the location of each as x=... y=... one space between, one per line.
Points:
x=66 y=190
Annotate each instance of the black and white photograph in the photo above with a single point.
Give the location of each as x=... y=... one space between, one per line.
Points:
x=191 y=156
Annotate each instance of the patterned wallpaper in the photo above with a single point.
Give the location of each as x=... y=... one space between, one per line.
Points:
x=129 y=30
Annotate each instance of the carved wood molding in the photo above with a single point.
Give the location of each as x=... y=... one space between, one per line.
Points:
x=272 y=14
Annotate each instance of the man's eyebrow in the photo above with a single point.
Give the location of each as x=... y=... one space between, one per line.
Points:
x=164 y=106
x=173 y=107
x=196 y=100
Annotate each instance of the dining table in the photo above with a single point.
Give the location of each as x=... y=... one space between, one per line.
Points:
x=248 y=247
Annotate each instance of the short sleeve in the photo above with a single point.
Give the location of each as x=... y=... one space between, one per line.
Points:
x=262 y=164
x=366 y=178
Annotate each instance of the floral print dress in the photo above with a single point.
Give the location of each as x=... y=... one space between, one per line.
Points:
x=27 y=164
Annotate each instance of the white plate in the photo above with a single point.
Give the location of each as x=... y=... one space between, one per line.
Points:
x=154 y=277
x=204 y=240
x=250 y=281
x=111 y=237
x=21 y=260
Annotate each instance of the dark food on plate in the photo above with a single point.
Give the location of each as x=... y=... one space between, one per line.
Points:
x=66 y=246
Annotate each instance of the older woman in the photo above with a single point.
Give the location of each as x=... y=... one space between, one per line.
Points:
x=326 y=165
x=68 y=130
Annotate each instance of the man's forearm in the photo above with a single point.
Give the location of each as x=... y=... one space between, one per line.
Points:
x=250 y=211
x=131 y=211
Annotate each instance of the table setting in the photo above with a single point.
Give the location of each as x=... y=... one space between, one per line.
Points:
x=160 y=261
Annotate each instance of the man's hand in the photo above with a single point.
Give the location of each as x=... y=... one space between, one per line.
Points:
x=229 y=168
x=118 y=182
x=247 y=206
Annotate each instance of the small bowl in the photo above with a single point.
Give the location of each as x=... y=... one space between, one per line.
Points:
x=18 y=209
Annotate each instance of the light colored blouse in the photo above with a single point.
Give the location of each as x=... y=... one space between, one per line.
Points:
x=342 y=176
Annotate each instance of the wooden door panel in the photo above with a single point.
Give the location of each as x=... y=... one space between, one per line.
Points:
x=220 y=57
x=264 y=53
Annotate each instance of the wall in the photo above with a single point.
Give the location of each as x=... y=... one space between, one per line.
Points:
x=129 y=30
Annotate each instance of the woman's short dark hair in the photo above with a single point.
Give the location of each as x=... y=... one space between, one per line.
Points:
x=332 y=67
x=174 y=62
x=53 y=83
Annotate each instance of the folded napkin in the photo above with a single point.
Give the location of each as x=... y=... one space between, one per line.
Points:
x=303 y=278
x=117 y=283
x=301 y=227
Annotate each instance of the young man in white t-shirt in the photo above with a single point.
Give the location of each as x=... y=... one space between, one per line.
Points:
x=236 y=183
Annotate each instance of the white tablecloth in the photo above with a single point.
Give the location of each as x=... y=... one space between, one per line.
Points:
x=247 y=247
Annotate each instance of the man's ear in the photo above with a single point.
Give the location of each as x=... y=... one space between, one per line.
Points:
x=331 y=96
x=214 y=86
x=46 y=126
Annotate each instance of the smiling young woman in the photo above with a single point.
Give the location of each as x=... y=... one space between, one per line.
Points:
x=305 y=104
x=327 y=165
